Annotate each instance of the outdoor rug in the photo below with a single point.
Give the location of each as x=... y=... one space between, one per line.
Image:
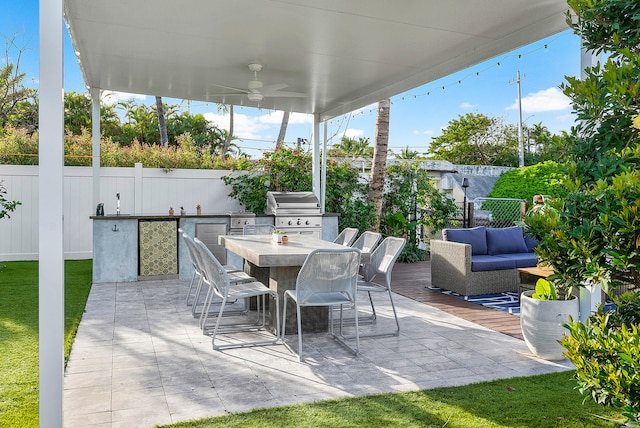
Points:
x=505 y=302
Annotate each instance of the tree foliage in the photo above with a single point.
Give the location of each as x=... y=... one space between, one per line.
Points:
x=15 y=97
x=477 y=139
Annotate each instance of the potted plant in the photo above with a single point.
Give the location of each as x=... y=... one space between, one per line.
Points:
x=543 y=314
x=277 y=235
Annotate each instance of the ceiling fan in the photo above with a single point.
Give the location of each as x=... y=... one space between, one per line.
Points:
x=256 y=91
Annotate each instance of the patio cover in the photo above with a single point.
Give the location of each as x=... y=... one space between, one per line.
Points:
x=341 y=54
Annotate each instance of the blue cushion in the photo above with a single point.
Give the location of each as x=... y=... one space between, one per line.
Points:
x=476 y=237
x=505 y=241
x=522 y=260
x=531 y=242
x=484 y=262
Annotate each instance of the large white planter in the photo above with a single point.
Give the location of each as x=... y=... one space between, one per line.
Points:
x=542 y=324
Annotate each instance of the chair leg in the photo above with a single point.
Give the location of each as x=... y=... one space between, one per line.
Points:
x=284 y=316
x=193 y=277
x=196 y=297
x=206 y=306
x=373 y=308
x=275 y=298
x=218 y=319
x=298 y=312
x=395 y=314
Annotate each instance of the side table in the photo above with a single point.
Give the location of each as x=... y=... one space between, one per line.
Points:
x=529 y=277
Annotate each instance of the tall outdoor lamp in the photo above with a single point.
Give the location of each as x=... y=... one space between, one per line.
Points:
x=465 y=184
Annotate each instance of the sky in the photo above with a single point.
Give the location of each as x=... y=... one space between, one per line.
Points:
x=416 y=116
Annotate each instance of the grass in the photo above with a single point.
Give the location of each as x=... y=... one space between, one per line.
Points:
x=549 y=400
x=19 y=334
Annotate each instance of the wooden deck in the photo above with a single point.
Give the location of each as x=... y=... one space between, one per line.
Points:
x=410 y=280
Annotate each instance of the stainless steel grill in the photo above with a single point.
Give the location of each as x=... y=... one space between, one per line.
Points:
x=296 y=212
x=237 y=220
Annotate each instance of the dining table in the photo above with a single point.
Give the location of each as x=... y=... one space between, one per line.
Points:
x=277 y=265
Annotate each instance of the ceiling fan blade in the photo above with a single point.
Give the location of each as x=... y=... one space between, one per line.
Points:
x=284 y=94
x=244 y=91
x=273 y=88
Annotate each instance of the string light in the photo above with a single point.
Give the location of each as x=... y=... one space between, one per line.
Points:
x=477 y=74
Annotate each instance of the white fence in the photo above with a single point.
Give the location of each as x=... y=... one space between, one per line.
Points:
x=146 y=191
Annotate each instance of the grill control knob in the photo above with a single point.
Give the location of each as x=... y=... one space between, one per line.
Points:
x=307 y=222
x=289 y=222
x=299 y=222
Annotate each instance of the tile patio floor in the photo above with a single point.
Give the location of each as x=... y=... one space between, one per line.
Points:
x=139 y=359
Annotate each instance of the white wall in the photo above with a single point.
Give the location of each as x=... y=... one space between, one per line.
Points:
x=146 y=191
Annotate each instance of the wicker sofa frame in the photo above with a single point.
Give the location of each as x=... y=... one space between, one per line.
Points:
x=451 y=270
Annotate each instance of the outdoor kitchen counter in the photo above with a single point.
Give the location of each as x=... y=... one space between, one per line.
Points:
x=277 y=265
x=116 y=246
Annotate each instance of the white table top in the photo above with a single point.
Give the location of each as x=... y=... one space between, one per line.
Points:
x=262 y=251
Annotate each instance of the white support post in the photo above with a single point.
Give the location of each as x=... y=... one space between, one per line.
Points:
x=95 y=146
x=323 y=178
x=51 y=205
x=316 y=156
x=587 y=59
x=590 y=300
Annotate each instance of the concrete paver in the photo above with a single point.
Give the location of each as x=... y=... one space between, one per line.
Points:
x=139 y=359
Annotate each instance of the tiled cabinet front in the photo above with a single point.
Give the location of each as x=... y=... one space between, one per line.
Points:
x=158 y=245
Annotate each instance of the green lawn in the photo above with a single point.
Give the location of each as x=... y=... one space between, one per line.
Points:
x=537 y=401
x=19 y=334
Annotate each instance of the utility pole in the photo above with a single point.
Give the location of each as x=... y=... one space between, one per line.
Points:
x=520 y=141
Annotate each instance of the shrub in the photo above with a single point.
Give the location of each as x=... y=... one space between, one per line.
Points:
x=545 y=178
x=606 y=353
x=6 y=206
x=17 y=147
x=411 y=207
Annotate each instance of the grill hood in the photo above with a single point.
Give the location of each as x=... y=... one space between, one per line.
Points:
x=290 y=203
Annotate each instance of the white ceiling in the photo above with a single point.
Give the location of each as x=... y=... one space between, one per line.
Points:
x=341 y=54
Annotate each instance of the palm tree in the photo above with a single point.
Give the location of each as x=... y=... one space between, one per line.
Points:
x=407 y=153
x=378 y=170
x=162 y=125
x=227 y=108
x=283 y=129
x=351 y=147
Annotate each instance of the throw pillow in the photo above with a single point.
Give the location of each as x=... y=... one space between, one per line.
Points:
x=476 y=237
x=506 y=241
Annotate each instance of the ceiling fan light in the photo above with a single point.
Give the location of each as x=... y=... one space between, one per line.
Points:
x=254 y=96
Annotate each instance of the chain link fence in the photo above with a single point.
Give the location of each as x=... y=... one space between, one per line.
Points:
x=497 y=212
x=490 y=212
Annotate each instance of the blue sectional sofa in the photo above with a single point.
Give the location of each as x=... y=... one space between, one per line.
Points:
x=480 y=260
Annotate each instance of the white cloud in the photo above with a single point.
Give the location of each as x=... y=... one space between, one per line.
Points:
x=425 y=132
x=467 y=106
x=353 y=133
x=244 y=126
x=111 y=97
x=275 y=118
x=551 y=99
